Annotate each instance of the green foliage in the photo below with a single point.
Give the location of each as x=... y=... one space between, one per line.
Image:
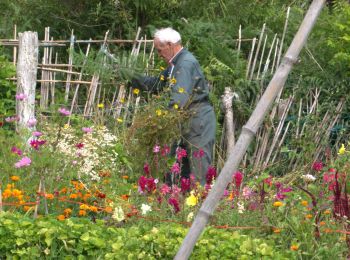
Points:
x=7 y=88
x=26 y=238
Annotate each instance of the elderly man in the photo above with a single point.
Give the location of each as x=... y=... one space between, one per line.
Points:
x=189 y=90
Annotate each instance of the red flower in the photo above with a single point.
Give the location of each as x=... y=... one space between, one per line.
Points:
x=79 y=145
x=146 y=169
x=146 y=184
x=37 y=143
x=174 y=202
x=180 y=153
x=238 y=177
x=199 y=153
x=317 y=166
x=211 y=174
x=185 y=184
x=165 y=150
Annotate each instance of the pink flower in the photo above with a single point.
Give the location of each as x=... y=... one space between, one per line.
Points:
x=317 y=166
x=175 y=203
x=165 y=189
x=74 y=162
x=21 y=96
x=12 y=119
x=37 y=143
x=165 y=150
x=87 y=130
x=180 y=153
x=268 y=181
x=25 y=161
x=16 y=150
x=63 y=111
x=247 y=192
x=175 y=190
x=147 y=184
x=175 y=168
x=156 y=149
x=31 y=122
x=211 y=174
x=37 y=134
x=79 y=145
x=199 y=153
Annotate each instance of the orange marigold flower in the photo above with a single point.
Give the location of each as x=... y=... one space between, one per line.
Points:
x=64 y=190
x=322 y=223
x=61 y=217
x=49 y=196
x=15 y=178
x=21 y=202
x=108 y=209
x=294 y=247
x=304 y=203
x=7 y=193
x=67 y=211
x=125 y=196
x=86 y=196
x=27 y=208
x=93 y=208
x=276 y=230
x=328 y=230
x=125 y=177
x=327 y=212
x=73 y=196
x=278 y=204
x=16 y=192
x=20 y=197
x=308 y=216
x=106 y=181
x=82 y=212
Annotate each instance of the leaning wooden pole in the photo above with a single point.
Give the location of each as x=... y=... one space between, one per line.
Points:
x=249 y=130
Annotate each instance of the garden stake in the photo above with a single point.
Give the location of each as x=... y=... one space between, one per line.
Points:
x=257 y=51
x=274 y=63
x=70 y=64
x=267 y=62
x=283 y=35
x=261 y=58
x=250 y=58
x=37 y=201
x=249 y=130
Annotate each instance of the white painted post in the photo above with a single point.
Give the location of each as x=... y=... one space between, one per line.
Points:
x=26 y=79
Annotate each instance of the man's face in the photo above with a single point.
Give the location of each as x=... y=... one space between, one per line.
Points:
x=165 y=50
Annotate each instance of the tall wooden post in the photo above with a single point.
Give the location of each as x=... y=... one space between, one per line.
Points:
x=27 y=64
x=249 y=130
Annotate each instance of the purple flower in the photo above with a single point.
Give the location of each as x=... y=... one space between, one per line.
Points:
x=25 y=161
x=63 y=111
x=21 y=96
x=32 y=122
x=87 y=130
x=37 y=134
x=16 y=150
x=175 y=168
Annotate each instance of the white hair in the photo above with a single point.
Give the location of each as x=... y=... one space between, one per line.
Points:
x=167 y=35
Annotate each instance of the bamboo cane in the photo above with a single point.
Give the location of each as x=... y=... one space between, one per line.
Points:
x=262 y=57
x=267 y=62
x=257 y=51
x=44 y=92
x=280 y=143
x=250 y=58
x=15 y=47
x=70 y=66
x=249 y=130
x=274 y=63
x=37 y=201
x=283 y=35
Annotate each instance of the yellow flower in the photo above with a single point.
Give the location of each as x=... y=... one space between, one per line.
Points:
x=276 y=230
x=100 y=105
x=161 y=68
x=66 y=126
x=61 y=217
x=173 y=81
x=277 y=204
x=181 y=90
x=14 y=178
x=158 y=112
x=122 y=100
x=176 y=106
x=304 y=203
x=84 y=206
x=136 y=91
x=162 y=77
x=192 y=200
x=294 y=247
x=119 y=120
x=342 y=149
x=16 y=193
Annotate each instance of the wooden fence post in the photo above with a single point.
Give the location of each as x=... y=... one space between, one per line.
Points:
x=28 y=52
x=249 y=130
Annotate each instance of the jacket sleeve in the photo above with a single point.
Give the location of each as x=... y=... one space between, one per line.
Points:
x=184 y=80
